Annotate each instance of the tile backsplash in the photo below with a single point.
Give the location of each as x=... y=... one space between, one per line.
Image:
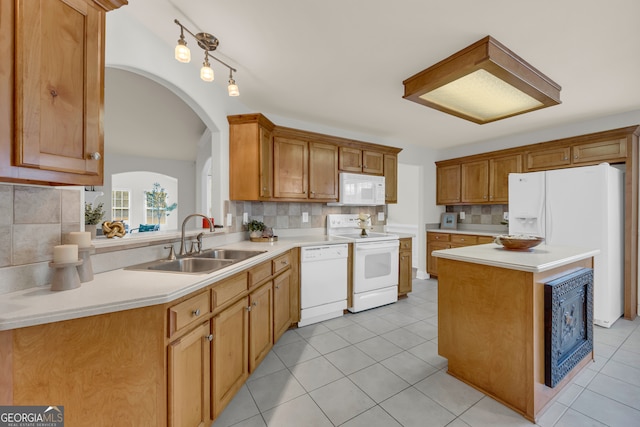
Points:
x=480 y=214
x=32 y=221
x=283 y=215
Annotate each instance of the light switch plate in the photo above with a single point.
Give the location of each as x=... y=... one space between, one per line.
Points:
x=380 y=216
x=245 y=218
x=505 y=216
x=461 y=215
x=229 y=220
x=305 y=216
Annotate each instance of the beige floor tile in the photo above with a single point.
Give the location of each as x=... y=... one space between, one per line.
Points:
x=297 y=412
x=413 y=409
x=605 y=410
x=341 y=400
x=374 y=417
x=378 y=382
x=449 y=392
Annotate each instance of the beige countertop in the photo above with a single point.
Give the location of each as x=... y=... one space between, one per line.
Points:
x=538 y=259
x=121 y=289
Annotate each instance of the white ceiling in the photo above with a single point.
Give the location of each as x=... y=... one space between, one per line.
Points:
x=341 y=63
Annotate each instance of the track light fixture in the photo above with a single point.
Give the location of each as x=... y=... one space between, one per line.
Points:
x=208 y=43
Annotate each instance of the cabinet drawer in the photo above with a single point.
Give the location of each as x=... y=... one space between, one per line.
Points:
x=259 y=273
x=281 y=263
x=438 y=237
x=227 y=290
x=188 y=312
x=485 y=239
x=464 y=239
x=405 y=244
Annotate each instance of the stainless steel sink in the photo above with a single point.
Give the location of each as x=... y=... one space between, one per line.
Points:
x=230 y=254
x=203 y=263
x=184 y=265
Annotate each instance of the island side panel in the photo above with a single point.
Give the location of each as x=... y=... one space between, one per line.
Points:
x=105 y=370
x=542 y=393
x=485 y=329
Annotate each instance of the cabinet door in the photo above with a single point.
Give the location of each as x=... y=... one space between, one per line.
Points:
x=323 y=171
x=282 y=318
x=59 y=87
x=260 y=324
x=600 y=151
x=448 y=185
x=405 y=271
x=499 y=170
x=372 y=162
x=432 y=262
x=391 y=178
x=350 y=159
x=551 y=158
x=230 y=353
x=290 y=168
x=475 y=182
x=266 y=164
x=189 y=379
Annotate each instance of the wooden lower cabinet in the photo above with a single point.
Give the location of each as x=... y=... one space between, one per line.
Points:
x=442 y=240
x=282 y=313
x=405 y=269
x=260 y=324
x=189 y=378
x=230 y=353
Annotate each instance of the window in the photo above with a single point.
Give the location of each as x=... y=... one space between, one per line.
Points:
x=156 y=205
x=120 y=205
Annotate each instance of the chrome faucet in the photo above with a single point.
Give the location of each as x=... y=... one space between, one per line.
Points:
x=184 y=223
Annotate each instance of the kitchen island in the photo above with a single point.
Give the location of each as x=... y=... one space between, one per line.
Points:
x=491 y=319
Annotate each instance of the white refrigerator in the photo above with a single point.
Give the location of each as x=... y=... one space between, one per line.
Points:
x=582 y=207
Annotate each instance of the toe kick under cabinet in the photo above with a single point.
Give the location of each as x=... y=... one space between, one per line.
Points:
x=176 y=364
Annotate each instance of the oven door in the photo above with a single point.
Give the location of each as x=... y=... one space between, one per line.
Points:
x=375 y=265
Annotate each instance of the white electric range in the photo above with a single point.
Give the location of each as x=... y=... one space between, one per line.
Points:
x=375 y=261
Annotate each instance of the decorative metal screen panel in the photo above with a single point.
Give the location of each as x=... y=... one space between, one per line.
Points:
x=568 y=323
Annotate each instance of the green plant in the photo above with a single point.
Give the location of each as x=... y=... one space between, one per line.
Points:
x=93 y=215
x=255 y=225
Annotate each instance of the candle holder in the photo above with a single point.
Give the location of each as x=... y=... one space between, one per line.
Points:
x=85 y=270
x=65 y=275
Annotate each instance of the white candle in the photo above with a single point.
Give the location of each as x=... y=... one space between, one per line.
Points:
x=65 y=253
x=80 y=238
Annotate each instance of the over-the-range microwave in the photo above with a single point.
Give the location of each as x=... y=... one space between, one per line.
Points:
x=360 y=190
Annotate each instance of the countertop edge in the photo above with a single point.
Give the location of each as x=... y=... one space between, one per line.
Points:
x=166 y=293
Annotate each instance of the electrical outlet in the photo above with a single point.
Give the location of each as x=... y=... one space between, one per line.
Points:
x=505 y=216
x=380 y=216
x=229 y=220
x=462 y=215
x=305 y=216
x=245 y=218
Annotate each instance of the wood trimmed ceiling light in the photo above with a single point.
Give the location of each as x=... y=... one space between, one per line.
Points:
x=483 y=83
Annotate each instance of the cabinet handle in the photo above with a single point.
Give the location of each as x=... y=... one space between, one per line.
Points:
x=565 y=158
x=283 y=262
x=277 y=286
x=209 y=337
x=575 y=157
x=255 y=303
x=95 y=156
x=196 y=312
x=313 y=192
x=248 y=308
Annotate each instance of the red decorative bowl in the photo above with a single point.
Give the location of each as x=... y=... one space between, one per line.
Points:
x=518 y=243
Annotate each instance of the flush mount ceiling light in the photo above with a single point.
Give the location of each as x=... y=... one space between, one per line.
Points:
x=483 y=83
x=208 y=43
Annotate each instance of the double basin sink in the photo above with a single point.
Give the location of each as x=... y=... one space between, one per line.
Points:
x=204 y=262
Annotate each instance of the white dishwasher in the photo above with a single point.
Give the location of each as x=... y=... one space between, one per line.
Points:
x=323 y=287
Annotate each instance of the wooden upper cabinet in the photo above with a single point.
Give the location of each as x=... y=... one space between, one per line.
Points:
x=350 y=159
x=250 y=157
x=323 y=171
x=600 y=151
x=55 y=83
x=549 y=158
x=475 y=182
x=499 y=170
x=372 y=162
x=365 y=161
x=391 y=178
x=291 y=168
x=448 y=184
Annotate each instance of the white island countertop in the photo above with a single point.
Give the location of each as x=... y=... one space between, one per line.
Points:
x=536 y=260
x=121 y=289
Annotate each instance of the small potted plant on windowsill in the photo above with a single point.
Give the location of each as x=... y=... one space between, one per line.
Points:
x=92 y=217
